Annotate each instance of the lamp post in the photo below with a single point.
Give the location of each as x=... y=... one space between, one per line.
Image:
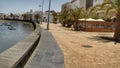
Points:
x=48 y=15
x=42 y=11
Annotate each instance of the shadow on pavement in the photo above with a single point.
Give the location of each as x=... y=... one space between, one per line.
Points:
x=87 y=46
x=105 y=39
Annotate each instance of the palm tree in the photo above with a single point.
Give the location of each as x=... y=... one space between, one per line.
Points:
x=55 y=17
x=77 y=14
x=93 y=11
x=101 y=11
x=116 y=4
x=70 y=16
x=12 y=15
x=63 y=17
x=111 y=6
x=36 y=17
x=24 y=16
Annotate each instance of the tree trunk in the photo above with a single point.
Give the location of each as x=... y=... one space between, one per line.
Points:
x=117 y=31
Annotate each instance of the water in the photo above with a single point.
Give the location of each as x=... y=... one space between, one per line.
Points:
x=8 y=37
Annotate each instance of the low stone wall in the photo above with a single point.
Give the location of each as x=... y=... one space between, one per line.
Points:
x=17 y=56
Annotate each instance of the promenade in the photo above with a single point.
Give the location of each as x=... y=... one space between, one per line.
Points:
x=86 y=49
x=47 y=53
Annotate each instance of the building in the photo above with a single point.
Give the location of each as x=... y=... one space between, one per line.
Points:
x=97 y=2
x=45 y=17
x=78 y=4
x=85 y=4
x=93 y=26
x=66 y=6
x=88 y=4
x=2 y=15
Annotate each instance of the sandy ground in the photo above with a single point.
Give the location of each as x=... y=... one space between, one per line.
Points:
x=86 y=49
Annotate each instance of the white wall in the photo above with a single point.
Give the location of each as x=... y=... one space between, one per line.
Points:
x=82 y=3
x=97 y=2
x=75 y=4
x=46 y=16
x=79 y=3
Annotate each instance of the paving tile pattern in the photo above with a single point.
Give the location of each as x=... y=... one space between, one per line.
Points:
x=47 y=54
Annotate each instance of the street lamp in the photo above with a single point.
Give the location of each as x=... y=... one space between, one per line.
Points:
x=42 y=11
x=39 y=7
x=48 y=15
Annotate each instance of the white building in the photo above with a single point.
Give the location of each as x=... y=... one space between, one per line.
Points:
x=78 y=3
x=45 y=17
x=66 y=6
x=2 y=15
x=97 y=2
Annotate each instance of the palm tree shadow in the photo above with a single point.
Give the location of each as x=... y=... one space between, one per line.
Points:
x=86 y=46
x=105 y=39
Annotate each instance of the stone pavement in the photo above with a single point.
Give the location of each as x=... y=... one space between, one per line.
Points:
x=47 y=53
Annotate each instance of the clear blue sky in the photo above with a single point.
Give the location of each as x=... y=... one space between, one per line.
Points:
x=18 y=6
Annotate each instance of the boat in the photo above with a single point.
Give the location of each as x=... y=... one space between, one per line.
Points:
x=11 y=28
x=2 y=24
x=6 y=24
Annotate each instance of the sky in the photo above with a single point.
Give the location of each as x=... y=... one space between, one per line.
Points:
x=21 y=6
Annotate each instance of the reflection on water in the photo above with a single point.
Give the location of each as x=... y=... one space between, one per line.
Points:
x=9 y=37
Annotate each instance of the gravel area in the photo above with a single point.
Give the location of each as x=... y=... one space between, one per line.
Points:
x=86 y=49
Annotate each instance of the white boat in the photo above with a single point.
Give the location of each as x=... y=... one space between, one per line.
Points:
x=7 y=24
x=11 y=28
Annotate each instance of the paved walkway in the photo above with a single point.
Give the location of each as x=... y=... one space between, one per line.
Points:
x=47 y=53
x=86 y=49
